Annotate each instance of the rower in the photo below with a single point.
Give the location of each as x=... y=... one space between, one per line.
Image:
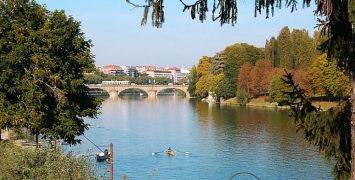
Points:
x=170 y=152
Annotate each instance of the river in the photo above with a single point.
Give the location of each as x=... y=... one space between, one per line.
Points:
x=212 y=141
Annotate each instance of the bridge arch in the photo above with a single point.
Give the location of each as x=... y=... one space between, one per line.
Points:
x=173 y=88
x=144 y=93
x=98 y=92
x=151 y=90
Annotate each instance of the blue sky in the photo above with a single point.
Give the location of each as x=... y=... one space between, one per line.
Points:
x=114 y=28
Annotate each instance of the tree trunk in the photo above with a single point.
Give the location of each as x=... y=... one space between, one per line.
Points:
x=353 y=131
x=37 y=145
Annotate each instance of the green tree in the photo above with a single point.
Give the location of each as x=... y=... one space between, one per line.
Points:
x=192 y=79
x=303 y=50
x=162 y=80
x=236 y=55
x=277 y=89
x=271 y=52
x=43 y=58
x=284 y=44
x=143 y=80
x=242 y=97
x=328 y=78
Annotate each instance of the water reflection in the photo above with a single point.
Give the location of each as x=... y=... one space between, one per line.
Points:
x=222 y=140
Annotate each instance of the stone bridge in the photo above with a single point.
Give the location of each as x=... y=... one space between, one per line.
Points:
x=151 y=90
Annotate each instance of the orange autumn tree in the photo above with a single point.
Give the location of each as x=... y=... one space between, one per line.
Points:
x=244 y=79
x=260 y=77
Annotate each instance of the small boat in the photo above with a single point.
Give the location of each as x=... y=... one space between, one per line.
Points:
x=102 y=156
x=170 y=152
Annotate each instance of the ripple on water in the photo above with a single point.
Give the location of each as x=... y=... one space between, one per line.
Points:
x=221 y=140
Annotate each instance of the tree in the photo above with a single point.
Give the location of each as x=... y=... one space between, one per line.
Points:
x=284 y=43
x=242 y=97
x=162 y=80
x=277 y=87
x=329 y=79
x=143 y=80
x=303 y=51
x=192 y=79
x=202 y=86
x=328 y=130
x=203 y=66
x=218 y=63
x=43 y=58
x=260 y=77
x=236 y=55
x=303 y=78
x=271 y=52
x=244 y=79
x=203 y=77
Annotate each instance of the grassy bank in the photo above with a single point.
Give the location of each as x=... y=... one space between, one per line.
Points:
x=29 y=163
x=261 y=102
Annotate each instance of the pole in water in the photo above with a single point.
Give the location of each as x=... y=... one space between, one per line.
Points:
x=111 y=161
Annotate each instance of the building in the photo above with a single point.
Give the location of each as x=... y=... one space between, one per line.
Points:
x=131 y=71
x=111 y=69
x=178 y=74
x=159 y=73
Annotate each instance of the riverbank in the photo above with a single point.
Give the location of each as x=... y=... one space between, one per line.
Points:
x=261 y=102
x=43 y=163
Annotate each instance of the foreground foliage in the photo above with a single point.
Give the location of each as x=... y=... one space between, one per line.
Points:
x=43 y=57
x=28 y=163
x=329 y=130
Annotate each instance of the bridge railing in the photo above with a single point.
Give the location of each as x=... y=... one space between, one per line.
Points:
x=121 y=85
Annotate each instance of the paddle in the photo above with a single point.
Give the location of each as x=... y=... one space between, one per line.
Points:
x=155 y=153
x=185 y=152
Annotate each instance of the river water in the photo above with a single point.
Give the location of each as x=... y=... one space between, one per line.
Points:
x=211 y=141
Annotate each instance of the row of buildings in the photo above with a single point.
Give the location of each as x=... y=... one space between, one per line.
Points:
x=176 y=74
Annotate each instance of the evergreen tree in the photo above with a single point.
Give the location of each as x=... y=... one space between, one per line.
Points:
x=271 y=52
x=302 y=50
x=284 y=44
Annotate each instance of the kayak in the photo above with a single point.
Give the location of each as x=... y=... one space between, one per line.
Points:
x=170 y=153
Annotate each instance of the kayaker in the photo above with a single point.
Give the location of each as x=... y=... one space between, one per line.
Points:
x=170 y=152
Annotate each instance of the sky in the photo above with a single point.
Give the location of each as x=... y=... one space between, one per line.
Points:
x=114 y=28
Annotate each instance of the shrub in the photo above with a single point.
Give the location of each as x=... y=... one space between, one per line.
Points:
x=242 y=97
x=29 y=163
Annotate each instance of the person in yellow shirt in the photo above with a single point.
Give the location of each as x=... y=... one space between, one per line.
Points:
x=170 y=152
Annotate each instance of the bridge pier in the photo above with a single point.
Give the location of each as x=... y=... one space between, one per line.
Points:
x=152 y=94
x=113 y=94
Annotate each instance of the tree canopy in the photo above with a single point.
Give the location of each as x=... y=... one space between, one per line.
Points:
x=43 y=56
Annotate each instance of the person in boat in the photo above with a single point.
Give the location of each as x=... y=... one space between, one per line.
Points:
x=106 y=152
x=170 y=152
